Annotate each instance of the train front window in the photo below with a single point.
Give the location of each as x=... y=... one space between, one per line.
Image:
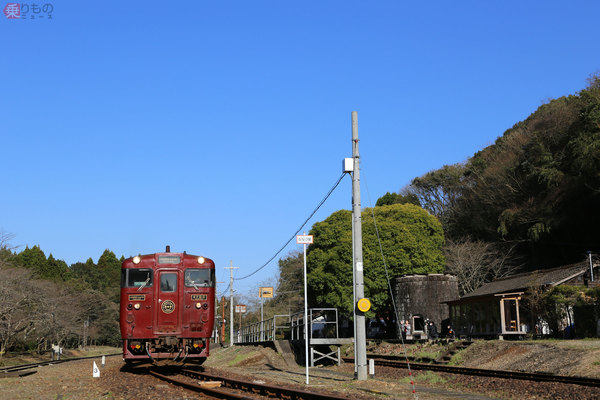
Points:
x=136 y=278
x=199 y=277
x=168 y=282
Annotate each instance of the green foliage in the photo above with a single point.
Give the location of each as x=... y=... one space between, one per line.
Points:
x=49 y=301
x=558 y=303
x=396 y=198
x=411 y=240
x=109 y=268
x=289 y=293
x=50 y=268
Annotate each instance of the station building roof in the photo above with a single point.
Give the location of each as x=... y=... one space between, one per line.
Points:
x=521 y=282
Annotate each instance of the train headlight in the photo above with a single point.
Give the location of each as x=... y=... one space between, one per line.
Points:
x=198 y=305
x=137 y=306
x=201 y=260
x=136 y=259
x=205 y=306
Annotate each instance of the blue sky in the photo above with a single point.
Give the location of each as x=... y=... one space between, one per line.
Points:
x=217 y=126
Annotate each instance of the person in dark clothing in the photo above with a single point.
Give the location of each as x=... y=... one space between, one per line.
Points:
x=433 y=333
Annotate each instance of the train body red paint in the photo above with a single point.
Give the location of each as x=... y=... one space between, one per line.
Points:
x=167 y=308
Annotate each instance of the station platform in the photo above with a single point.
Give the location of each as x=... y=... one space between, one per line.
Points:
x=287 y=334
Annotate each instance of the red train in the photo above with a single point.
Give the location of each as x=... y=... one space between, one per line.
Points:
x=167 y=308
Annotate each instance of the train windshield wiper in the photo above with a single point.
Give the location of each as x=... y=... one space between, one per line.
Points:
x=144 y=283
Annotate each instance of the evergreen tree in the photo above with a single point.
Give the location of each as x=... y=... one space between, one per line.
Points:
x=412 y=242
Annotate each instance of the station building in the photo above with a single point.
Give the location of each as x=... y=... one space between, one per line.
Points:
x=496 y=309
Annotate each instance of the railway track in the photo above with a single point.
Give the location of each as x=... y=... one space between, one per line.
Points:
x=229 y=388
x=396 y=362
x=28 y=369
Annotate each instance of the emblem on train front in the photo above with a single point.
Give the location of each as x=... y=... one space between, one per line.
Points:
x=168 y=306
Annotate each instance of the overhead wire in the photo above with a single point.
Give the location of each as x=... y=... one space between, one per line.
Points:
x=224 y=291
x=298 y=230
x=387 y=275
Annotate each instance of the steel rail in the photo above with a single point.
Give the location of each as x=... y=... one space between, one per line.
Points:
x=531 y=376
x=22 y=367
x=265 y=390
x=258 y=389
x=213 y=392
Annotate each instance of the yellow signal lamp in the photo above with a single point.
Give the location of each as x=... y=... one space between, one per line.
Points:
x=363 y=304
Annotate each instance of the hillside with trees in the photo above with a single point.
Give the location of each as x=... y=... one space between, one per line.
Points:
x=533 y=195
x=46 y=302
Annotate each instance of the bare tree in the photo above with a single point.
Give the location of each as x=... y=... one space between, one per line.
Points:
x=6 y=247
x=475 y=262
x=18 y=307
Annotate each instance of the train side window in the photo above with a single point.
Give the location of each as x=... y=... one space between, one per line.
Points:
x=199 y=277
x=136 y=277
x=168 y=282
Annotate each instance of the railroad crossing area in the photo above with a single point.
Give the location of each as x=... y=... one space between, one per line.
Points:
x=287 y=333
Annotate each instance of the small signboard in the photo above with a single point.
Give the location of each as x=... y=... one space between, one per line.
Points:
x=240 y=308
x=304 y=239
x=95 y=371
x=265 y=292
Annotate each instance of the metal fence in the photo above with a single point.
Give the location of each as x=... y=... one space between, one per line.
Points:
x=271 y=329
x=323 y=323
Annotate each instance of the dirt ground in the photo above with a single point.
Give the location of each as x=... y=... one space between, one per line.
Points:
x=565 y=357
x=74 y=380
x=560 y=357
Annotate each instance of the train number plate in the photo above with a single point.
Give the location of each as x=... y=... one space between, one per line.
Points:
x=137 y=297
x=199 y=297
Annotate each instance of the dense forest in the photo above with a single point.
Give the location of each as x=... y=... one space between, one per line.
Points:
x=45 y=301
x=534 y=193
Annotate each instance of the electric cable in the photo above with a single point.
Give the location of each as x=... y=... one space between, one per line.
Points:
x=387 y=275
x=298 y=230
x=223 y=292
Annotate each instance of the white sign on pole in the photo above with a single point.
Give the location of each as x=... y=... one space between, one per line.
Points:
x=95 y=371
x=240 y=308
x=304 y=239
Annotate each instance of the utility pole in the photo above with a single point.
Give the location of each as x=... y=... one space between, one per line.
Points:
x=360 y=340
x=591 y=266
x=217 y=315
x=231 y=268
x=223 y=320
